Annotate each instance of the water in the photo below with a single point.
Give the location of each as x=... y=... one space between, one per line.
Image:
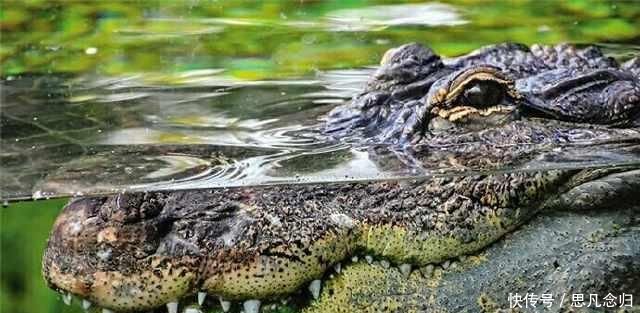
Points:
x=232 y=94
x=100 y=98
x=94 y=135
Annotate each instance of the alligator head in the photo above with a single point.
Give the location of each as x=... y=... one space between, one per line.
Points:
x=415 y=93
x=133 y=252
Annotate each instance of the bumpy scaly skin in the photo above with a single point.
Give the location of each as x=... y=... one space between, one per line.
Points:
x=561 y=82
x=238 y=242
x=139 y=251
x=557 y=253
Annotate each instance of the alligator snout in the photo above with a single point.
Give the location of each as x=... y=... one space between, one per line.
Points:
x=110 y=252
x=141 y=251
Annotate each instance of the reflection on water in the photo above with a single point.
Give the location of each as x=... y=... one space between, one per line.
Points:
x=279 y=39
x=375 y=17
x=81 y=136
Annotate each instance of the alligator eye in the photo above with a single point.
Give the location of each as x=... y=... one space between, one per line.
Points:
x=484 y=94
x=474 y=98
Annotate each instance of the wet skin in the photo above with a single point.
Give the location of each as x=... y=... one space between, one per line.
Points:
x=492 y=108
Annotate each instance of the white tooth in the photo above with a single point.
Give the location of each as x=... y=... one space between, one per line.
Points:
x=86 y=304
x=368 y=258
x=445 y=264
x=66 y=298
x=172 y=307
x=226 y=305
x=284 y=301
x=274 y=307
x=201 y=297
x=315 y=287
x=385 y=264
x=405 y=269
x=427 y=270
x=192 y=310
x=251 y=306
x=337 y=267
x=354 y=259
x=106 y=311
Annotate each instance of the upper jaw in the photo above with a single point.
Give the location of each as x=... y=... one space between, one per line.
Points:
x=103 y=258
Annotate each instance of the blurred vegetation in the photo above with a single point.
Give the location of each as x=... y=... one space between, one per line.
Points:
x=270 y=39
x=249 y=40
x=24 y=229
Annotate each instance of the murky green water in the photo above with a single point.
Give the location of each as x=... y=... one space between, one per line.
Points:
x=99 y=97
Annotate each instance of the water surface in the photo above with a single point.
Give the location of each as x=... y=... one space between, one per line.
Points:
x=148 y=95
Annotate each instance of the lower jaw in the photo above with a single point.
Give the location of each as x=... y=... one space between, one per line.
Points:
x=303 y=299
x=381 y=244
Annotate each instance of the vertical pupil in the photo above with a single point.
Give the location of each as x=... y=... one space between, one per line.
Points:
x=484 y=94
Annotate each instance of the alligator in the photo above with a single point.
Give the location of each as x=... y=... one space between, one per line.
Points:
x=450 y=243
